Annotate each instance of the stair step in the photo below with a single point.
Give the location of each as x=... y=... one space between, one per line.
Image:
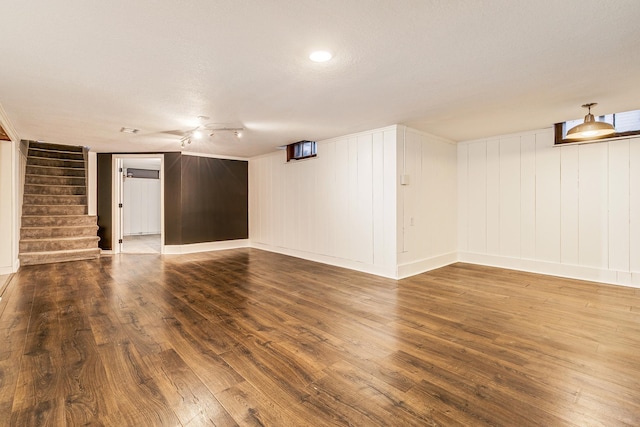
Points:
x=60 y=190
x=54 y=209
x=58 y=244
x=54 y=171
x=27 y=233
x=54 y=180
x=58 y=220
x=55 y=154
x=55 y=199
x=55 y=147
x=58 y=163
x=48 y=257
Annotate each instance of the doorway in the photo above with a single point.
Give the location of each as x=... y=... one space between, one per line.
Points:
x=139 y=204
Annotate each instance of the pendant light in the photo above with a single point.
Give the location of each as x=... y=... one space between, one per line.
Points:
x=590 y=129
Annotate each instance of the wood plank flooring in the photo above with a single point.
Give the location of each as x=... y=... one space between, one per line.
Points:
x=250 y=338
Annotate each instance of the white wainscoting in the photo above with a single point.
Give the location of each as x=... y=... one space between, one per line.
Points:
x=571 y=211
x=338 y=208
x=427 y=202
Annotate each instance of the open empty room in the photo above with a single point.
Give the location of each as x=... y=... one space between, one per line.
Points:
x=301 y=213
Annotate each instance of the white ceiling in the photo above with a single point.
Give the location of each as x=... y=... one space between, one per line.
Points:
x=75 y=71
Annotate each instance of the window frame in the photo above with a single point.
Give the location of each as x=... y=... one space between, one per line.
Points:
x=559 y=130
x=291 y=150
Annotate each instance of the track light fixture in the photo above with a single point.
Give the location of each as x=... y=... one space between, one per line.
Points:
x=590 y=129
x=209 y=129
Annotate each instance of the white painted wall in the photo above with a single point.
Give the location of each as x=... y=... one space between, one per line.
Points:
x=338 y=208
x=426 y=203
x=142 y=206
x=7 y=206
x=571 y=211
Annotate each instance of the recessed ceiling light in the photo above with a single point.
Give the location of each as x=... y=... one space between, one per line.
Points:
x=203 y=118
x=320 y=56
x=129 y=130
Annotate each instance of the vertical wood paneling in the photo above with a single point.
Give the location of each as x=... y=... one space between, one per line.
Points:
x=463 y=198
x=477 y=197
x=510 y=197
x=577 y=206
x=547 y=199
x=377 y=197
x=493 y=197
x=528 y=196
x=569 y=219
x=363 y=250
x=634 y=205
x=390 y=194
x=618 y=195
x=334 y=205
x=593 y=205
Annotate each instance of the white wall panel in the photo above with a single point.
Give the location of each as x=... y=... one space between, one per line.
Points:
x=463 y=200
x=593 y=205
x=618 y=203
x=634 y=206
x=509 y=197
x=569 y=214
x=547 y=199
x=364 y=197
x=493 y=197
x=579 y=206
x=6 y=206
x=477 y=196
x=527 y=196
x=428 y=203
x=332 y=208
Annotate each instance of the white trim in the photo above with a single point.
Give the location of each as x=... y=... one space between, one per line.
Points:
x=621 y=278
x=388 y=272
x=422 y=266
x=6 y=270
x=205 y=247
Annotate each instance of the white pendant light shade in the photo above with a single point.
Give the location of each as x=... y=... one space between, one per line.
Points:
x=590 y=129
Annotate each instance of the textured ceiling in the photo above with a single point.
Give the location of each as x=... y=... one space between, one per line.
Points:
x=77 y=71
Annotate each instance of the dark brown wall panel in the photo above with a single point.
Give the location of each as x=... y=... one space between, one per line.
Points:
x=105 y=184
x=214 y=199
x=172 y=199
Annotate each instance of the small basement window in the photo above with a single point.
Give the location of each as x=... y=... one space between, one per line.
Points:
x=301 y=150
x=626 y=124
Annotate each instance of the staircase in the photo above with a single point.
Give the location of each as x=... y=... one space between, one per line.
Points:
x=55 y=224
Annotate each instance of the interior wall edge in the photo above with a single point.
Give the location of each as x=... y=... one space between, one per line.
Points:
x=383 y=271
x=591 y=274
x=427 y=264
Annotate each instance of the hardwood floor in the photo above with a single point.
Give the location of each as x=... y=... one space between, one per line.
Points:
x=246 y=337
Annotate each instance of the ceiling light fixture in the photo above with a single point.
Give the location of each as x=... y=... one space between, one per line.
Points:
x=320 y=56
x=199 y=133
x=591 y=129
x=129 y=130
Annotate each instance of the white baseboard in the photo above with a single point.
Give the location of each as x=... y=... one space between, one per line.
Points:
x=426 y=264
x=7 y=270
x=623 y=278
x=205 y=247
x=389 y=272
